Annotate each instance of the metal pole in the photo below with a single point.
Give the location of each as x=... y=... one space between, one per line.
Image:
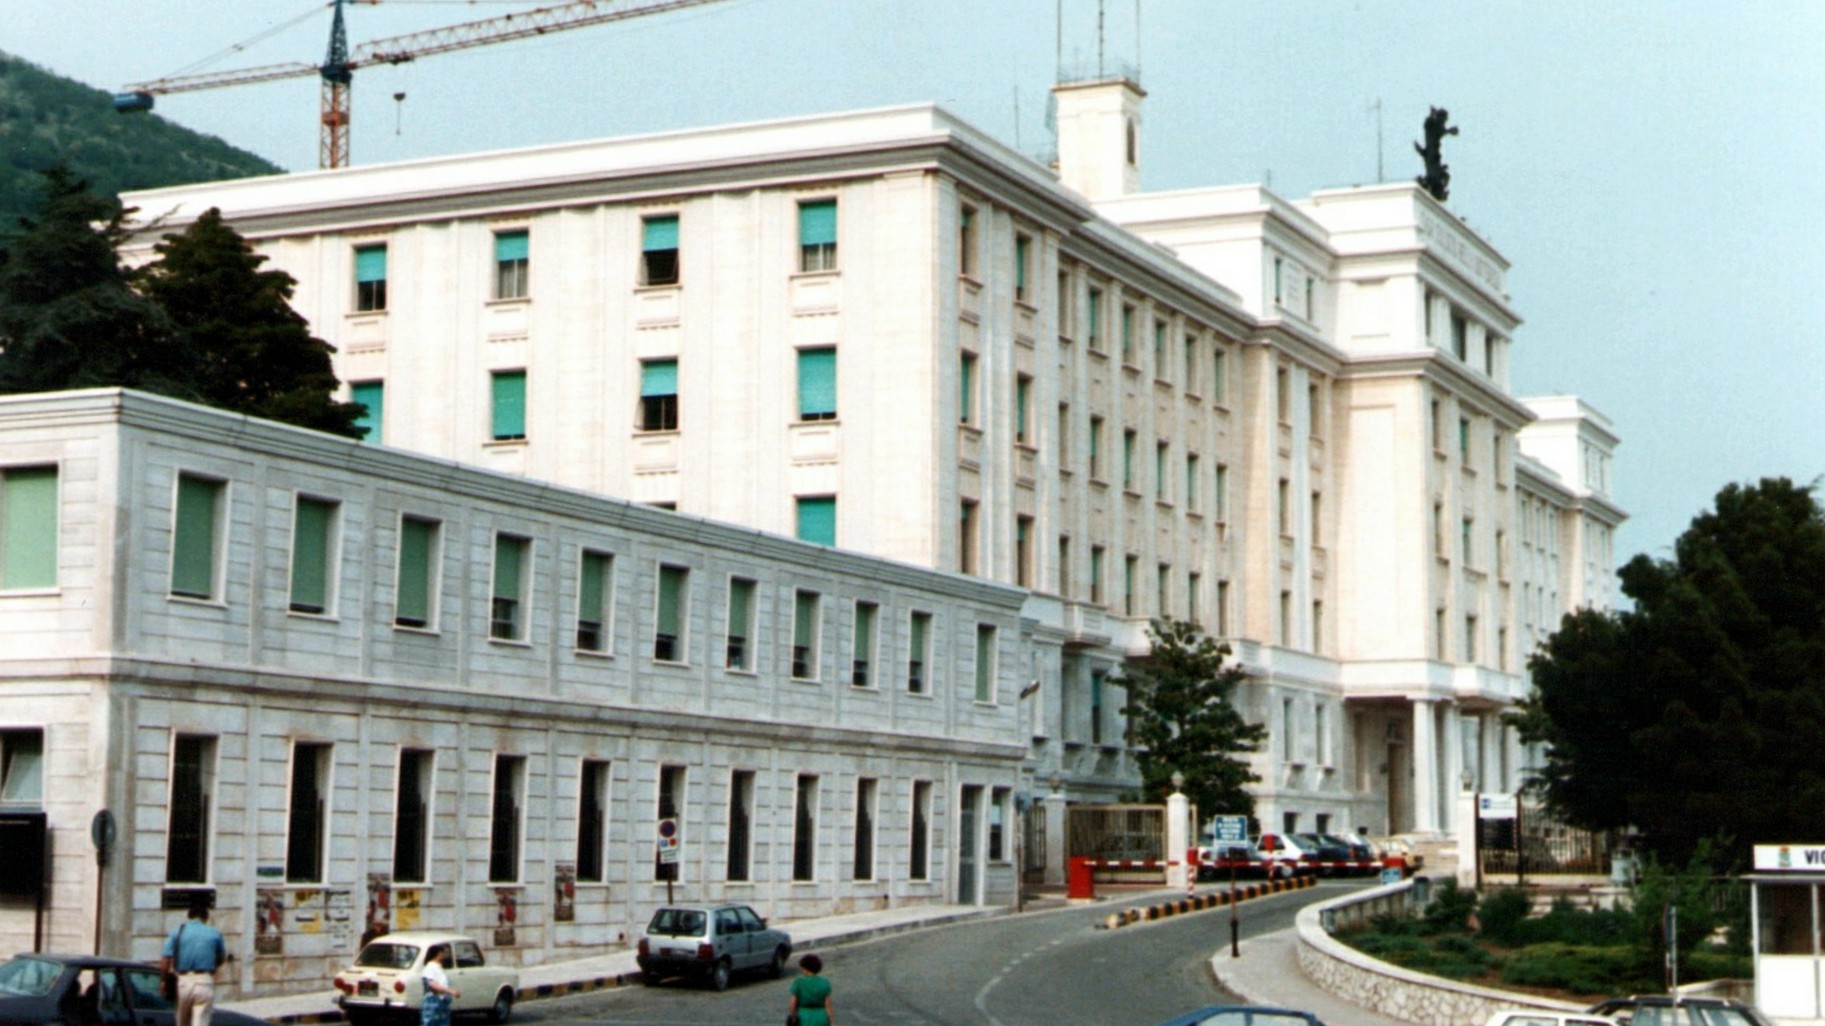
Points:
x=100 y=871
x=1235 y=925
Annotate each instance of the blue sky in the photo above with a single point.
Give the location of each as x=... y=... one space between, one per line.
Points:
x=1654 y=170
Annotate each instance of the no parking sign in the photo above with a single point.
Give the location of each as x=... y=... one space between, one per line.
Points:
x=668 y=842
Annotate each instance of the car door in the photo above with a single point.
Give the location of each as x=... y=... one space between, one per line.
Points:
x=469 y=974
x=133 y=996
x=760 y=942
x=733 y=939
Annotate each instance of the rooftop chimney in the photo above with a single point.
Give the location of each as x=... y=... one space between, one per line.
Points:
x=1099 y=136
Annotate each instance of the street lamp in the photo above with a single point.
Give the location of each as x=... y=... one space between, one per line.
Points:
x=1178 y=781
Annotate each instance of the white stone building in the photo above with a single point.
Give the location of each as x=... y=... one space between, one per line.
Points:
x=337 y=684
x=1287 y=420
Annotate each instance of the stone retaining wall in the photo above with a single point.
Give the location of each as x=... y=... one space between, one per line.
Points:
x=1389 y=989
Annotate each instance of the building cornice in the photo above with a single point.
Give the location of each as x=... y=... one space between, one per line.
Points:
x=1432 y=365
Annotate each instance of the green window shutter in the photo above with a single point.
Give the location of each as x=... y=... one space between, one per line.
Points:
x=310 y=555
x=817 y=520
x=804 y=618
x=741 y=597
x=509 y=561
x=509 y=246
x=659 y=233
x=1022 y=389
x=193 y=538
x=370 y=263
x=864 y=631
x=509 y=404
x=1021 y=249
x=589 y=587
x=816 y=382
x=417 y=539
x=985 y=664
x=966 y=379
x=817 y=223
x=671 y=586
x=28 y=528
x=371 y=394
x=658 y=378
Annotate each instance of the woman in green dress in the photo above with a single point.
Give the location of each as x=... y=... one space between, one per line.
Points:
x=810 y=994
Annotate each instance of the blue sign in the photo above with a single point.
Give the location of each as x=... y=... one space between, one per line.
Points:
x=1390 y=875
x=1230 y=829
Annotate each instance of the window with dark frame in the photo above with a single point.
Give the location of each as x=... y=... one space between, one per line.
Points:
x=741 y=824
x=998 y=814
x=918 y=651
x=592 y=820
x=595 y=589
x=192 y=783
x=659 y=250
x=370 y=278
x=195 y=536
x=306 y=817
x=505 y=822
x=668 y=628
x=817 y=235
x=670 y=806
x=412 y=815
x=313 y=554
x=506 y=621
x=511 y=264
x=804 y=829
x=416 y=582
x=866 y=790
x=659 y=395
x=738 y=652
x=806 y=629
x=862 y=650
x=919 y=839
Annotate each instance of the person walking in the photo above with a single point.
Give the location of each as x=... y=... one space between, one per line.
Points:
x=810 y=995
x=194 y=952
x=439 y=995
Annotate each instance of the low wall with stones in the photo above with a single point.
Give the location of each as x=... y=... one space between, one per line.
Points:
x=1389 y=989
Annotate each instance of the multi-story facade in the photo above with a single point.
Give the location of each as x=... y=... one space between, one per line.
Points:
x=342 y=687
x=1288 y=421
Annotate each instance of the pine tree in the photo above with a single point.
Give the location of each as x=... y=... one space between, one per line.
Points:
x=69 y=316
x=1181 y=717
x=255 y=354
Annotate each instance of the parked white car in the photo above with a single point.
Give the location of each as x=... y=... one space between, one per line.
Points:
x=1541 y=1017
x=386 y=983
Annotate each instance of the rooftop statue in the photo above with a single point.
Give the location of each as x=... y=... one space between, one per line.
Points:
x=1437 y=179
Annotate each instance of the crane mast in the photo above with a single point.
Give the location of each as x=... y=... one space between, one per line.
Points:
x=340 y=64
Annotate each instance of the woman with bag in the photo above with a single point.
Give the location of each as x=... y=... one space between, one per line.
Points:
x=810 y=995
x=435 y=1011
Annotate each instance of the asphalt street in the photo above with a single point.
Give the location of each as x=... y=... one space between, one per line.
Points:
x=1042 y=969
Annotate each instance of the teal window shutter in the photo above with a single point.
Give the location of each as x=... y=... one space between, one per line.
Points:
x=671 y=584
x=371 y=394
x=816 y=383
x=193 y=538
x=370 y=263
x=966 y=380
x=817 y=520
x=28 y=528
x=509 y=561
x=817 y=223
x=310 y=555
x=864 y=631
x=510 y=246
x=658 y=377
x=417 y=541
x=741 y=595
x=1022 y=247
x=985 y=664
x=589 y=589
x=659 y=233
x=509 y=405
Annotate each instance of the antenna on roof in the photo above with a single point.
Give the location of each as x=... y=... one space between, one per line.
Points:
x=1137 y=38
x=1099 y=39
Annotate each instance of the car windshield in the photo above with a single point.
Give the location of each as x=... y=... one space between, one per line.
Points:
x=1250 y=1017
x=1718 y=1015
x=29 y=977
x=388 y=955
x=677 y=922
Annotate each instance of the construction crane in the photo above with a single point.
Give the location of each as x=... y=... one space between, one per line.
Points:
x=338 y=68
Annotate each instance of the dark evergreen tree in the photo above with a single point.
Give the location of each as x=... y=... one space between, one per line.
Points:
x=255 y=354
x=69 y=315
x=1181 y=718
x=1702 y=710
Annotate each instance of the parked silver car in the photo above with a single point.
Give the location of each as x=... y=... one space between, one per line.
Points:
x=710 y=943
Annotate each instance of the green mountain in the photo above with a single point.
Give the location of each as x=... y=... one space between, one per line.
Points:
x=46 y=118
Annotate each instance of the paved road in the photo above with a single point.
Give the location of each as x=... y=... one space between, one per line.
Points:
x=1043 y=969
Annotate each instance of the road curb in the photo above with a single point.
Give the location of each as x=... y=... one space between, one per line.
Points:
x=1204 y=902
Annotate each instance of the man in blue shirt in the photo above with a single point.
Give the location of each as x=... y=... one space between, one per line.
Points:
x=194 y=951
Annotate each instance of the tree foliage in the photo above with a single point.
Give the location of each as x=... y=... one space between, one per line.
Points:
x=1181 y=717
x=1701 y=710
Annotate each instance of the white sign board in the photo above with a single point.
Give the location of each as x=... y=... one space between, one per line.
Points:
x=1801 y=857
x=1230 y=830
x=1496 y=806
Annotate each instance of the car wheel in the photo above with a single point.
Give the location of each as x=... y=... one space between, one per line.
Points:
x=502 y=1009
x=719 y=975
x=777 y=967
x=650 y=978
x=360 y=1017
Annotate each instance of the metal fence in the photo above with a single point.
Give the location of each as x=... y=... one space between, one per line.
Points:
x=1115 y=832
x=1536 y=844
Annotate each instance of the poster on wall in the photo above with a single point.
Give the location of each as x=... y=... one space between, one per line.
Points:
x=405 y=908
x=506 y=913
x=380 y=907
x=339 y=920
x=269 y=921
x=564 y=894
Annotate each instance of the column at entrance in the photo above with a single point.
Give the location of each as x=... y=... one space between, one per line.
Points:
x=1425 y=767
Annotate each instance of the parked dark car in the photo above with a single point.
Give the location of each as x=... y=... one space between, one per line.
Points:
x=1245 y=1015
x=1321 y=848
x=1660 y=1010
x=710 y=943
x=82 y=990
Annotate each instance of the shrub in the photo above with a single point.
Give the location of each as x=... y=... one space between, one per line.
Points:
x=1503 y=915
x=1449 y=911
x=1578 y=968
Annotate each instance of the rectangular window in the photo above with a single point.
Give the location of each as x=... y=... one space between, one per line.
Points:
x=918 y=651
x=1314 y=406
x=507 y=605
x=1130 y=600
x=670 y=805
x=1128 y=461
x=817 y=236
x=1470 y=654
x=1064 y=306
x=998 y=819
x=1162 y=590
x=919 y=839
x=592 y=821
x=804 y=829
x=313 y=554
x=1023 y=268
x=866 y=791
x=1194 y=584
x=1160 y=369
x=741 y=824
x=966 y=388
x=807 y=607
x=817 y=384
x=308 y=812
x=1315 y=514
x=1279 y=280
x=739 y=651
x=1283 y=507
x=1464 y=549
x=966 y=537
x=509 y=406
x=1093 y=317
x=510 y=264
x=1286 y=618
x=862 y=650
x=1460 y=336
x=1063 y=436
x=966 y=242
x=659 y=250
x=1438 y=427
x=196 y=540
x=412 y=815
x=1463 y=440
x=1219 y=376
x=1023 y=395
x=595 y=600
x=192 y=784
x=370 y=278
x=1283 y=396
x=1064 y=566
x=1023 y=551
x=1097 y=678
x=816 y=516
x=1191 y=365
x=1289 y=748
x=668 y=624
x=985 y=663
x=659 y=395
x=372 y=396
x=1096 y=448
x=1127 y=326
x=1318 y=626
x=1162 y=481
x=28 y=528
x=1192 y=486
x=415 y=597
x=505 y=823
x=1222 y=609
x=1096 y=575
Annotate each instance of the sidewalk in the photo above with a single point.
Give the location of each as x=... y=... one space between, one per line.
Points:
x=618 y=968
x=1268 y=973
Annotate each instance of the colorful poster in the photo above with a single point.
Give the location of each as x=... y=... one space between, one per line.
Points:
x=564 y=894
x=506 y=913
x=380 y=907
x=269 y=921
x=405 y=908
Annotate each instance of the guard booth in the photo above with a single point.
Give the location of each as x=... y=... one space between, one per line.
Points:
x=1785 y=917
